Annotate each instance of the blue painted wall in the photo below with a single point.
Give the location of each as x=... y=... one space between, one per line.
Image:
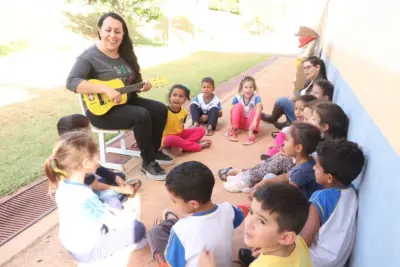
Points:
x=378 y=227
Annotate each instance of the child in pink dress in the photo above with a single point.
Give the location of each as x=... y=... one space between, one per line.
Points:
x=245 y=112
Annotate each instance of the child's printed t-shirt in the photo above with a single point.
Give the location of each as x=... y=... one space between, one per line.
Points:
x=247 y=107
x=211 y=230
x=303 y=175
x=175 y=122
x=81 y=216
x=206 y=106
x=300 y=257
x=337 y=209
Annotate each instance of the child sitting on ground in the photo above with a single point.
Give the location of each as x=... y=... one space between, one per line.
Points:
x=109 y=186
x=299 y=105
x=277 y=215
x=301 y=141
x=308 y=109
x=245 y=112
x=331 y=225
x=175 y=136
x=330 y=119
x=176 y=242
x=89 y=229
x=332 y=122
x=206 y=107
x=322 y=89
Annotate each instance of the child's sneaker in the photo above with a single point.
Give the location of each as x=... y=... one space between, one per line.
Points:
x=250 y=140
x=234 y=179
x=231 y=135
x=236 y=187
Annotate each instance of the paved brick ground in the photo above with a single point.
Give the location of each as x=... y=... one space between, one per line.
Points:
x=274 y=80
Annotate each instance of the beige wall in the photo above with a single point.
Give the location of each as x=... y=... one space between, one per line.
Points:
x=361 y=38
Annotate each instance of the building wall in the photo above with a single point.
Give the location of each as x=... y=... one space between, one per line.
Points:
x=360 y=47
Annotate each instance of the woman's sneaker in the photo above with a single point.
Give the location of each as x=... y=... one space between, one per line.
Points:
x=163 y=159
x=154 y=171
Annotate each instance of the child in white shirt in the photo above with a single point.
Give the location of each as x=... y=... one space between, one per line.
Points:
x=206 y=107
x=89 y=229
x=331 y=225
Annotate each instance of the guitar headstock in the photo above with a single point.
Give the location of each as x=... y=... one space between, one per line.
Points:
x=159 y=81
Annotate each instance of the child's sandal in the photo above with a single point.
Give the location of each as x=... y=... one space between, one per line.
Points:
x=223 y=173
x=167 y=214
x=205 y=143
x=251 y=140
x=274 y=134
x=231 y=135
x=136 y=184
x=209 y=132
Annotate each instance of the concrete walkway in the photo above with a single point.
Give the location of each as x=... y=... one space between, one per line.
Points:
x=273 y=81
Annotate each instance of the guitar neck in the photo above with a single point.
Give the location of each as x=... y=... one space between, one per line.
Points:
x=130 y=88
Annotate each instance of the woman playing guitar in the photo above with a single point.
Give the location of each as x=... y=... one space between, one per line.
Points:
x=113 y=57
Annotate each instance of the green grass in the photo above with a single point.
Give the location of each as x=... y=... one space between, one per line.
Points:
x=6 y=49
x=29 y=128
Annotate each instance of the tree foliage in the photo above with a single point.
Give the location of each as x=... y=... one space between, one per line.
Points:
x=231 y=6
x=129 y=9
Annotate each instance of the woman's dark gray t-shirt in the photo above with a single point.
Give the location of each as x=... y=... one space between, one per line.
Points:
x=94 y=64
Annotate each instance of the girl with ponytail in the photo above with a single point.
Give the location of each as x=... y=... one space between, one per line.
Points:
x=89 y=229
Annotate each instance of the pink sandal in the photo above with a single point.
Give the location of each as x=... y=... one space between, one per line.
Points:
x=231 y=135
x=250 y=140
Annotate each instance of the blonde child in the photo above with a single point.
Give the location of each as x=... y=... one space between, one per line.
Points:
x=89 y=229
x=206 y=107
x=175 y=136
x=110 y=187
x=277 y=214
x=245 y=112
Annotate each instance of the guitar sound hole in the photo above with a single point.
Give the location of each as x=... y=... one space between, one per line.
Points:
x=101 y=100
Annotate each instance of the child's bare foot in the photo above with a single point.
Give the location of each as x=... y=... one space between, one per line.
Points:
x=176 y=151
x=203 y=118
x=210 y=131
x=205 y=144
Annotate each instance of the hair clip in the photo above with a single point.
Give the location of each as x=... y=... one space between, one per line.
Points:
x=243 y=77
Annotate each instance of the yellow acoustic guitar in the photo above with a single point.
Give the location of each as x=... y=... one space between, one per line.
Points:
x=100 y=104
